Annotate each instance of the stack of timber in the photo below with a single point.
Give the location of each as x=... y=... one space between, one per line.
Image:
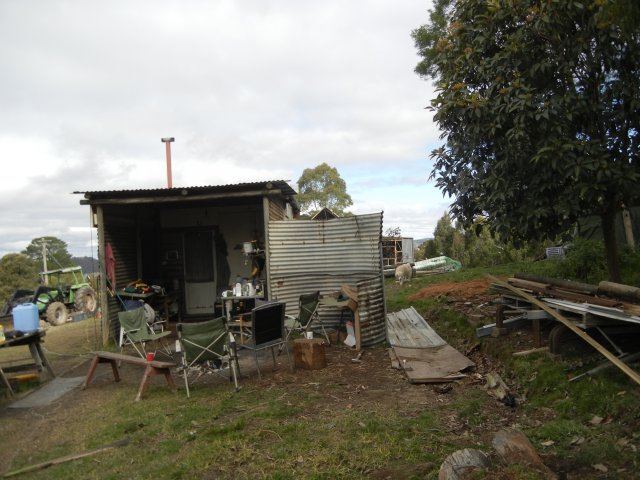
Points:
x=550 y=306
x=614 y=296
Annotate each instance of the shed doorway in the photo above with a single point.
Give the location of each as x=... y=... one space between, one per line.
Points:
x=199 y=272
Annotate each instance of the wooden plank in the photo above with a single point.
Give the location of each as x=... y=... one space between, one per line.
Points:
x=524 y=353
x=68 y=458
x=606 y=353
x=134 y=360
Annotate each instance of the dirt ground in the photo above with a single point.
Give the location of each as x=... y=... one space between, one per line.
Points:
x=368 y=382
x=469 y=291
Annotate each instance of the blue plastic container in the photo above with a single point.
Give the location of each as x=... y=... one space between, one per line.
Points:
x=25 y=317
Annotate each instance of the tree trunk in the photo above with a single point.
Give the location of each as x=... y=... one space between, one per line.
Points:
x=628 y=228
x=610 y=245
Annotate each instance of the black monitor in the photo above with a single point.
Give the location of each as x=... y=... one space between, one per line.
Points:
x=267 y=323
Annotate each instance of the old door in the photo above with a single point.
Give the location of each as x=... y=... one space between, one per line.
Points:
x=199 y=272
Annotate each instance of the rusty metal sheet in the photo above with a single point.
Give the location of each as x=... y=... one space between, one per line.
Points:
x=442 y=363
x=421 y=352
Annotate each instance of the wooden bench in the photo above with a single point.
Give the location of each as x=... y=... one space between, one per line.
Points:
x=155 y=367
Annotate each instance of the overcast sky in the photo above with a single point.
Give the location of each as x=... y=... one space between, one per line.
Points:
x=252 y=90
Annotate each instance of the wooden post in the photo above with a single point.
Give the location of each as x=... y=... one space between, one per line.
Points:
x=628 y=228
x=499 y=329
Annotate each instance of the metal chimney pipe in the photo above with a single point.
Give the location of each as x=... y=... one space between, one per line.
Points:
x=167 y=141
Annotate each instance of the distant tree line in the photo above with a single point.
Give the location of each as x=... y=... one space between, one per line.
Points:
x=476 y=246
x=21 y=270
x=585 y=259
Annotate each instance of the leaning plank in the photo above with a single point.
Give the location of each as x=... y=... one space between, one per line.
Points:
x=68 y=458
x=569 y=324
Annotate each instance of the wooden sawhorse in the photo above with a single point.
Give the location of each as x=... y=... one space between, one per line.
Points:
x=154 y=367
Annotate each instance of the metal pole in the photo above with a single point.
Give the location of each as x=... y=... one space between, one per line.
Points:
x=167 y=141
x=44 y=263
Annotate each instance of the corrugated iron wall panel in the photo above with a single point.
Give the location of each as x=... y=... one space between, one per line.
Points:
x=371 y=307
x=309 y=255
x=123 y=243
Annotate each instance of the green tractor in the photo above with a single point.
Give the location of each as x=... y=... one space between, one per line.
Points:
x=63 y=295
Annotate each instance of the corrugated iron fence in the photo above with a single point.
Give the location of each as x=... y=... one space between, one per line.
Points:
x=309 y=255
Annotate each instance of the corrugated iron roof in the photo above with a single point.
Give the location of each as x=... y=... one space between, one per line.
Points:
x=281 y=185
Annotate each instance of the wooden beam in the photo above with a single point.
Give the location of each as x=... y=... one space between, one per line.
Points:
x=183 y=198
x=564 y=284
x=68 y=458
x=104 y=298
x=562 y=293
x=570 y=325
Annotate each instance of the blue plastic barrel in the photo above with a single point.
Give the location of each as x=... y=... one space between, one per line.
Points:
x=25 y=317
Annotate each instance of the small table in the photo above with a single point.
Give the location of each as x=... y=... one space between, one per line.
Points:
x=32 y=340
x=226 y=310
x=162 y=301
x=241 y=323
x=344 y=305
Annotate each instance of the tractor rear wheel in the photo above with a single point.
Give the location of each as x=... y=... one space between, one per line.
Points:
x=57 y=313
x=86 y=300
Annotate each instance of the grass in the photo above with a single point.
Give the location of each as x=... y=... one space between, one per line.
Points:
x=244 y=438
x=326 y=429
x=543 y=381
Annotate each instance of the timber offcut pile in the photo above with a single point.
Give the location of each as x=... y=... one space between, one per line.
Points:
x=615 y=296
x=552 y=307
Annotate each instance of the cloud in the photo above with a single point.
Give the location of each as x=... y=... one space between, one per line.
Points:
x=251 y=90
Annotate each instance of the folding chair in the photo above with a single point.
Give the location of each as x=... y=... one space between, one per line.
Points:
x=207 y=347
x=135 y=331
x=307 y=314
x=267 y=331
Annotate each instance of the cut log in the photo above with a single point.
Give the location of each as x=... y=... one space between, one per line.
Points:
x=565 y=284
x=563 y=293
x=461 y=464
x=619 y=290
x=513 y=447
x=309 y=354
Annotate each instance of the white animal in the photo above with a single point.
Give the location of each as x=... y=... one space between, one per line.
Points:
x=403 y=273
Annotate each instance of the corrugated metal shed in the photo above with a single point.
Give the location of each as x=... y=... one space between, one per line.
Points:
x=308 y=255
x=146 y=229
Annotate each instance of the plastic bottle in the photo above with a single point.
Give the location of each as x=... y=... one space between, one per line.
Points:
x=2 y=338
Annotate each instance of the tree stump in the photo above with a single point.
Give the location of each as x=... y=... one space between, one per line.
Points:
x=514 y=448
x=462 y=464
x=309 y=354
